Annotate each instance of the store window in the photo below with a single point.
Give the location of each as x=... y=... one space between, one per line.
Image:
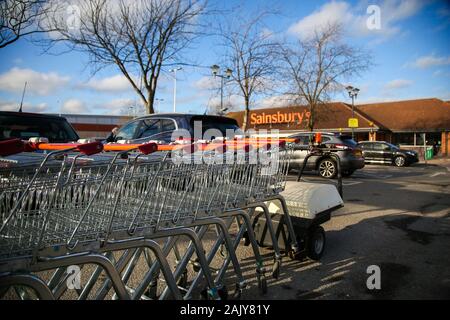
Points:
x=403 y=138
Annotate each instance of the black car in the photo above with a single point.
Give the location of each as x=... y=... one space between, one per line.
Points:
x=350 y=155
x=24 y=125
x=164 y=127
x=384 y=152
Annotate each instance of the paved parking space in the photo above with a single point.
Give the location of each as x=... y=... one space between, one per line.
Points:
x=395 y=218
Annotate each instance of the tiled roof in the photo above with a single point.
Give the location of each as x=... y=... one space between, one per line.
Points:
x=410 y=115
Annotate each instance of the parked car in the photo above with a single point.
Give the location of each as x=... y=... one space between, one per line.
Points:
x=26 y=125
x=384 y=152
x=161 y=127
x=350 y=156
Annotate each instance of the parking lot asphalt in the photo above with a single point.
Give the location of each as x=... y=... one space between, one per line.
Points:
x=394 y=218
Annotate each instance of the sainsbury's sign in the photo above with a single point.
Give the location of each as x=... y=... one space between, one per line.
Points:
x=279 y=117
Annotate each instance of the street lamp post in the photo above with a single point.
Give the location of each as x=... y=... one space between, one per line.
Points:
x=175 y=87
x=353 y=93
x=228 y=73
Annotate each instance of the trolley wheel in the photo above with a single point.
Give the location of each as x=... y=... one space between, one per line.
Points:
x=237 y=293
x=205 y=295
x=223 y=292
x=152 y=290
x=316 y=243
x=183 y=281
x=262 y=284
x=276 y=268
x=296 y=255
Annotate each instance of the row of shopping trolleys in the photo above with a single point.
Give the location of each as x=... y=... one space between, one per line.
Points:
x=101 y=211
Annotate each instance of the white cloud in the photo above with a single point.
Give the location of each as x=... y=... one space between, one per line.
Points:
x=275 y=101
x=108 y=84
x=354 y=18
x=397 y=84
x=329 y=13
x=430 y=61
x=27 y=107
x=206 y=83
x=122 y=106
x=38 y=83
x=73 y=106
x=120 y=103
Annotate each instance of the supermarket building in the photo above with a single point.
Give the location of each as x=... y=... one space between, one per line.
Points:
x=407 y=123
x=94 y=126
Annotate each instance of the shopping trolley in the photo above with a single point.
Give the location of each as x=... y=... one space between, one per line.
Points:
x=105 y=224
x=129 y=202
x=59 y=212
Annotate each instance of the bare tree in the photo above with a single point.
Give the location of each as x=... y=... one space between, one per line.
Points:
x=19 y=18
x=250 y=51
x=139 y=37
x=316 y=66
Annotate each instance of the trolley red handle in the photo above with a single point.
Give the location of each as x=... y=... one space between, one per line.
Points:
x=148 y=148
x=95 y=147
x=266 y=145
x=129 y=147
x=10 y=147
x=90 y=148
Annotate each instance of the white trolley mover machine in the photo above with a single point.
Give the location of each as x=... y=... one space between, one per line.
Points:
x=309 y=205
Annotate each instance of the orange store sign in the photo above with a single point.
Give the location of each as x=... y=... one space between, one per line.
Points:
x=279 y=117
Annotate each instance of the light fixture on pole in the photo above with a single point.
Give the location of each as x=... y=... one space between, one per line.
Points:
x=352 y=93
x=174 y=70
x=228 y=73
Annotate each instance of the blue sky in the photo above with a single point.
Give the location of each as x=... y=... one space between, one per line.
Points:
x=411 y=54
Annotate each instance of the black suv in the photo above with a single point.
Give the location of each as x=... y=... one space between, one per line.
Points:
x=24 y=125
x=350 y=156
x=384 y=152
x=161 y=127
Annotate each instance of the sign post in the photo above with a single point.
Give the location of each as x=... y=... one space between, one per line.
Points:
x=353 y=123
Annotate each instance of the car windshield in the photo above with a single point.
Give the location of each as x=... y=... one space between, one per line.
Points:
x=24 y=127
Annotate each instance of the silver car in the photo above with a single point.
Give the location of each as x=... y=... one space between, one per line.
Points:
x=350 y=156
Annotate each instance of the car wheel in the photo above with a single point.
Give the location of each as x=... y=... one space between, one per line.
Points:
x=400 y=161
x=327 y=168
x=316 y=243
